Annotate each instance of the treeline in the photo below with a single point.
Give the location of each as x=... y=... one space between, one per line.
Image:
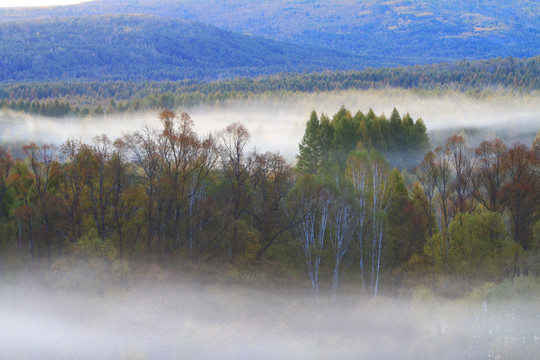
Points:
x=521 y=75
x=328 y=142
x=152 y=194
x=62 y=108
x=170 y=196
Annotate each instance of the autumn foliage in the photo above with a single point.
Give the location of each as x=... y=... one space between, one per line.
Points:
x=172 y=196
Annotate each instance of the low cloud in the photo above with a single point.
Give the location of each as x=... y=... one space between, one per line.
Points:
x=184 y=320
x=278 y=124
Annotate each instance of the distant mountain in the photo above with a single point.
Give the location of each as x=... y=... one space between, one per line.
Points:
x=382 y=32
x=147 y=47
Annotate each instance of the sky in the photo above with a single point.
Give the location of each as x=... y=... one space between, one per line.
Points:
x=24 y=3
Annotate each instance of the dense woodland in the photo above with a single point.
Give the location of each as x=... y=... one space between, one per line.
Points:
x=377 y=32
x=143 y=48
x=422 y=248
x=170 y=196
x=61 y=99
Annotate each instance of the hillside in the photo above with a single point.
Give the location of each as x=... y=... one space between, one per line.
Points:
x=392 y=33
x=144 y=47
x=476 y=78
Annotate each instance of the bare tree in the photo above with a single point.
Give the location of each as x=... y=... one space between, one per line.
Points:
x=242 y=173
x=42 y=162
x=442 y=185
x=75 y=171
x=489 y=176
x=100 y=183
x=462 y=161
x=143 y=147
x=426 y=174
x=268 y=210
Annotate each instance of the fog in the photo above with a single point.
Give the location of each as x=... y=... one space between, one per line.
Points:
x=277 y=124
x=191 y=320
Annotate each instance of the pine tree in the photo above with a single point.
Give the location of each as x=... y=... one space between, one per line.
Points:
x=310 y=147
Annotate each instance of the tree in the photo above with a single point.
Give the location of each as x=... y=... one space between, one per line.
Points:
x=312 y=201
x=100 y=184
x=489 y=176
x=42 y=162
x=268 y=210
x=380 y=197
x=75 y=170
x=479 y=249
x=125 y=199
x=397 y=132
x=241 y=176
x=144 y=151
x=357 y=173
x=426 y=175
x=522 y=191
x=342 y=228
x=442 y=186
x=6 y=165
x=25 y=212
x=345 y=132
x=478 y=241
x=407 y=227
x=310 y=147
x=187 y=161
x=460 y=159
x=326 y=137
x=370 y=174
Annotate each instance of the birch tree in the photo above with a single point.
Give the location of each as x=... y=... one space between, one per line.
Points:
x=343 y=225
x=370 y=174
x=380 y=198
x=313 y=202
x=357 y=172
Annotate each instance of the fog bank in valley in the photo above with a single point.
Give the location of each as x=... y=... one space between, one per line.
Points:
x=189 y=320
x=279 y=124
x=67 y=313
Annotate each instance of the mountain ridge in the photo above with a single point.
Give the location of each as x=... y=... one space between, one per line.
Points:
x=404 y=32
x=146 y=47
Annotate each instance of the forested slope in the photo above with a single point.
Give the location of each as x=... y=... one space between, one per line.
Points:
x=143 y=47
x=69 y=97
x=382 y=33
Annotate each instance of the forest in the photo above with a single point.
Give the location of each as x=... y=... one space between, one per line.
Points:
x=95 y=98
x=459 y=218
x=375 y=32
x=140 y=47
x=291 y=179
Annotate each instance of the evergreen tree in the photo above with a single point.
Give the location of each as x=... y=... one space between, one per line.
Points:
x=397 y=132
x=345 y=133
x=310 y=150
x=326 y=136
